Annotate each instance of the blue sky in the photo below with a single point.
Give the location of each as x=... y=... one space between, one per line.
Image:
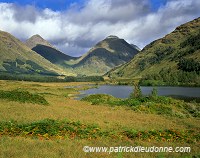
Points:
x=74 y=26
x=156 y=4
x=60 y=5
x=55 y=5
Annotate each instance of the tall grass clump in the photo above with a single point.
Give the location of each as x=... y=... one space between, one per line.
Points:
x=23 y=97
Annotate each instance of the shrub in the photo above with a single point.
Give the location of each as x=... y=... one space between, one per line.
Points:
x=101 y=98
x=54 y=129
x=137 y=93
x=157 y=104
x=154 y=93
x=23 y=97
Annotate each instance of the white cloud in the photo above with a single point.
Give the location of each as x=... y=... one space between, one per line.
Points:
x=77 y=29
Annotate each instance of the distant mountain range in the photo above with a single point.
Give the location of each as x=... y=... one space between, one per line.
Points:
x=114 y=57
x=179 y=50
x=104 y=56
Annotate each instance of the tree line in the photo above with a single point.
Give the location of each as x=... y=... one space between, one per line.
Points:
x=45 y=78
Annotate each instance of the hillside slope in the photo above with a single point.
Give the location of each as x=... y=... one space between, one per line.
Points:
x=104 y=56
x=45 y=49
x=15 y=57
x=178 y=51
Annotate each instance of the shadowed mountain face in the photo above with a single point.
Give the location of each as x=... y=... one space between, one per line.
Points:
x=104 y=56
x=53 y=55
x=45 y=49
x=16 y=57
x=177 y=51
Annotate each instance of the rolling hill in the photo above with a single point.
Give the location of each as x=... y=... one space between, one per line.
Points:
x=174 y=54
x=16 y=57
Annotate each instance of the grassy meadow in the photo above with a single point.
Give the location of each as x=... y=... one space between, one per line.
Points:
x=48 y=122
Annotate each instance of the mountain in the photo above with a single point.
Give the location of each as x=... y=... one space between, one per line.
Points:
x=177 y=52
x=35 y=40
x=136 y=47
x=16 y=57
x=45 y=49
x=104 y=56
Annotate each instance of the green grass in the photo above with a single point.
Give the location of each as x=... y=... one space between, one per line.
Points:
x=54 y=129
x=16 y=147
x=49 y=128
x=149 y=104
x=23 y=97
x=64 y=127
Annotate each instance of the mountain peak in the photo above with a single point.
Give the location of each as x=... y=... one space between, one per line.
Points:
x=35 y=40
x=113 y=36
x=105 y=55
x=37 y=36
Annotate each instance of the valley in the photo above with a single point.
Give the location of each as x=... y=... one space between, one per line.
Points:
x=129 y=97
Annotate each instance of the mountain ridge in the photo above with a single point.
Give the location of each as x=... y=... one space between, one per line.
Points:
x=164 y=53
x=16 y=57
x=106 y=54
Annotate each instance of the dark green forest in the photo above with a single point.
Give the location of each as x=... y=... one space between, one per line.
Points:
x=46 y=78
x=172 y=78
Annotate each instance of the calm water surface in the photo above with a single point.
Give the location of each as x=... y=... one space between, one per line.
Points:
x=124 y=91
